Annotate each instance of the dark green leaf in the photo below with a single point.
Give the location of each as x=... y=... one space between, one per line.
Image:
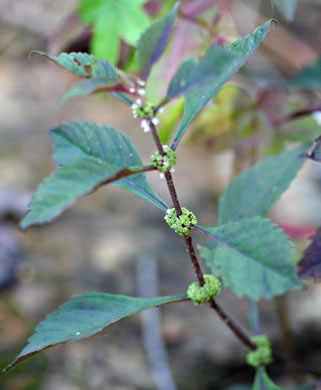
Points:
x=263 y=382
x=153 y=42
x=113 y=20
x=87 y=157
x=84 y=316
x=253 y=257
x=78 y=178
x=104 y=77
x=309 y=77
x=255 y=191
x=220 y=69
x=87 y=87
x=287 y=8
x=79 y=139
x=189 y=79
x=74 y=62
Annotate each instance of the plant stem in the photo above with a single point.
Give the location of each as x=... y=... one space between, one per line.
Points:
x=191 y=251
x=156 y=138
x=173 y=194
x=232 y=325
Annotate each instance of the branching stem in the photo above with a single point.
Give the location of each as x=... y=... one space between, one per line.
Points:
x=192 y=254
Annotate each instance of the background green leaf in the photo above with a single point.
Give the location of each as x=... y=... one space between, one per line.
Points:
x=113 y=20
x=153 y=41
x=253 y=257
x=256 y=190
x=221 y=71
x=84 y=316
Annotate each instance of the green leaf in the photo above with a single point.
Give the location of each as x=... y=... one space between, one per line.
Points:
x=84 y=316
x=105 y=41
x=256 y=190
x=57 y=193
x=222 y=64
x=104 y=77
x=309 y=77
x=87 y=157
x=74 y=62
x=192 y=76
x=112 y=21
x=80 y=139
x=263 y=382
x=287 y=8
x=253 y=257
x=153 y=42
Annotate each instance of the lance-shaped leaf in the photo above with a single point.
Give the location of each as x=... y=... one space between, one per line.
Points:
x=286 y=7
x=309 y=77
x=84 y=316
x=78 y=63
x=223 y=62
x=153 y=42
x=253 y=257
x=87 y=157
x=309 y=266
x=263 y=382
x=256 y=190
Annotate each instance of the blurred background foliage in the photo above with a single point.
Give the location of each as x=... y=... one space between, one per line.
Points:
x=272 y=103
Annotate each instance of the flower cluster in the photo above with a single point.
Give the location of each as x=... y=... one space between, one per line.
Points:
x=166 y=162
x=262 y=354
x=201 y=294
x=140 y=90
x=181 y=224
x=145 y=113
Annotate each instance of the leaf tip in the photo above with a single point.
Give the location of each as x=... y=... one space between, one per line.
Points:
x=40 y=53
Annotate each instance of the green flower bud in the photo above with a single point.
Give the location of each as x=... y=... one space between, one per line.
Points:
x=181 y=224
x=164 y=163
x=202 y=294
x=262 y=354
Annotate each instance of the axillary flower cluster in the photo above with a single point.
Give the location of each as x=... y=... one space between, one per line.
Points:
x=181 y=224
x=146 y=112
x=165 y=162
x=262 y=355
x=202 y=294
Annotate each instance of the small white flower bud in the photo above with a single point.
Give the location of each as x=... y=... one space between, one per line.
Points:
x=141 y=92
x=155 y=121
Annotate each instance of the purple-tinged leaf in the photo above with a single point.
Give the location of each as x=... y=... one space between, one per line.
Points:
x=153 y=41
x=309 y=267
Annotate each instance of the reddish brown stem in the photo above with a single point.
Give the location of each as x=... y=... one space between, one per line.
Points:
x=191 y=251
x=232 y=325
